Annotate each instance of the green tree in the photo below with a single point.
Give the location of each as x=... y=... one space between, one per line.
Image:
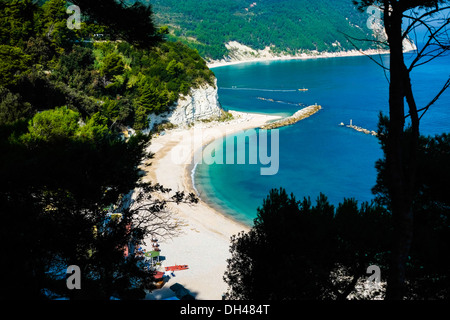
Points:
x=76 y=69
x=153 y=99
x=40 y=49
x=141 y=118
x=95 y=129
x=299 y=251
x=49 y=125
x=13 y=62
x=54 y=21
x=175 y=68
x=401 y=149
x=17 y=22
x=113 y=65
x=12 y=107
x=428 y=274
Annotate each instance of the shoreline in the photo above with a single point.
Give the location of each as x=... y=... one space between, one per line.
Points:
x=303 y=56
x=205 y=232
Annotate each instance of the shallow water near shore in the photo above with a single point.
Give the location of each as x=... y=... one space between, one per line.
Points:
x=316 y=154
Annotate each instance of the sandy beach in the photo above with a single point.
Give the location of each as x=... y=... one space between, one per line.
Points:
x=204 y=240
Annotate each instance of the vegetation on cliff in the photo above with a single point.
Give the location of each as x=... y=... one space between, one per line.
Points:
x=288 y=25
x=46 y=65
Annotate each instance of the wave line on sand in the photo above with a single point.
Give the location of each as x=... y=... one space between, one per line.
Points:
x=193 y=171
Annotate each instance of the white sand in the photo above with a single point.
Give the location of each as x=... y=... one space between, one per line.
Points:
x=205 y=239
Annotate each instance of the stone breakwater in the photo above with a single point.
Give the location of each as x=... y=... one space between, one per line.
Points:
x=366 y=131
x=359 y=129
x=296 y=117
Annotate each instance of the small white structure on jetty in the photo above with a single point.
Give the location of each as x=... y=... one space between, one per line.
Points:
x=366 y=131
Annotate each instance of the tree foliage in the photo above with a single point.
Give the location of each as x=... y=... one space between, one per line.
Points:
x=132 y=23
x=17 y=22
x=13 y=62
x=151 y=80
x=12 y=107
x=60 y=123
x=50 y=65
x=402 y=143
x=112 y=65
x=426 y=270
x=288 y=26
x=299 y=251
x=64 y=166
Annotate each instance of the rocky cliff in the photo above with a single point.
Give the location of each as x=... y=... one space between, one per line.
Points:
x=201 y=104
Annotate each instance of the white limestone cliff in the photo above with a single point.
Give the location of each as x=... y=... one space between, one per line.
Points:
x=201 y=104
x=238 y=53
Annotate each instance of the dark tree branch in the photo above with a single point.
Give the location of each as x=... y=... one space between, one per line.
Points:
x=420 y=20
x=132 y=23
x=148 y=210
x=436 y=98
x=385 y=69
x=433 y=36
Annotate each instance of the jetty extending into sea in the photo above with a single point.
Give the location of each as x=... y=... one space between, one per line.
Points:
x=296 y=117
x=366 y=131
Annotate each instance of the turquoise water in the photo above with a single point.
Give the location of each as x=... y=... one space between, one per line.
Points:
x=316 y=154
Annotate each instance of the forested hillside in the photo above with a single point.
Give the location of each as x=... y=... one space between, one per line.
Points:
x=288 y=25
x=45 y=65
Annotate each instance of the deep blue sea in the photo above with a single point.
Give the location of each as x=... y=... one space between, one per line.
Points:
x=316 y=154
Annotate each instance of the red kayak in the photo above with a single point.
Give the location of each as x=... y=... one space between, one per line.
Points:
x=177 y=267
